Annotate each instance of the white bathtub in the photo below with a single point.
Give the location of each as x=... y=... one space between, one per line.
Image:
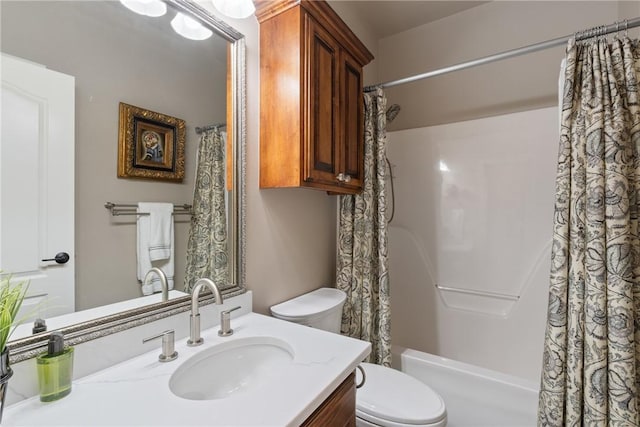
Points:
x=474 y=396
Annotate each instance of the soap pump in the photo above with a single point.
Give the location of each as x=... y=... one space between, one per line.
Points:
x=55 y=369
x=39 y=325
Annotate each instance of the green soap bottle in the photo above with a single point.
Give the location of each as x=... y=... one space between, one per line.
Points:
x=55 y=369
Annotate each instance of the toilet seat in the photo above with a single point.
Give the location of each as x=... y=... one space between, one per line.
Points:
x=392 y=398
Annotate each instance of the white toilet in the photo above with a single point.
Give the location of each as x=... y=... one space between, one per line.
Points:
x=389 y=398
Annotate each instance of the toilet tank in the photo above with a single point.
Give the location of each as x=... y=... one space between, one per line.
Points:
x=321 y=309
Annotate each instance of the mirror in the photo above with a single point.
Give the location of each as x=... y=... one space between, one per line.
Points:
x=140 y=61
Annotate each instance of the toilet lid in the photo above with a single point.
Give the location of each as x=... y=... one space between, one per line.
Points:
x=391 y=395
x=312 y=303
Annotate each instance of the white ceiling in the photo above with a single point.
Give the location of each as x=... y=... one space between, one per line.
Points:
x=391 y=17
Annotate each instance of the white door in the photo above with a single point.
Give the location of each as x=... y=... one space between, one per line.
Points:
x=37 y=184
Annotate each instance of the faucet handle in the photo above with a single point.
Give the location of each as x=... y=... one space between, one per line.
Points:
x=168 y=345
x=225 y=322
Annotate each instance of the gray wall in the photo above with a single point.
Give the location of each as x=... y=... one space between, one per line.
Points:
x=118 y=56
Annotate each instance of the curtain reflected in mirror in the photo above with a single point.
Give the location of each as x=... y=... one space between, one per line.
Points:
x=207 y=254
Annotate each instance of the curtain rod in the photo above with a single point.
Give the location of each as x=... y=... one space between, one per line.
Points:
x=210 y=127
x=581 y=35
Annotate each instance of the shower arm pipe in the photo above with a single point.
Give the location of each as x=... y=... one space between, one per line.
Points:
x=623 y=25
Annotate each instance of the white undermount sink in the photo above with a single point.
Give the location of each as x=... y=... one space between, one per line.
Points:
x=231 y=368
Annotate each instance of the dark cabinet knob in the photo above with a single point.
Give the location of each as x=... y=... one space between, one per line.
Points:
x=60 y=258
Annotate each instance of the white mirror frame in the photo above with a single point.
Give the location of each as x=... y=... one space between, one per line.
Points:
x=26 y=348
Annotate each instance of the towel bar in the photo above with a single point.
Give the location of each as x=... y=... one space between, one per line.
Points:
x=117 y=209
x=479 y=293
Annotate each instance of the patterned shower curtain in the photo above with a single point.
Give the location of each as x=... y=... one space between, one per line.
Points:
x=362 y=270
x=591 y=370
x=207 y=254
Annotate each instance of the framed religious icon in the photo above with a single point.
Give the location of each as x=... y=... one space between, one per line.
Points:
x=150 y=145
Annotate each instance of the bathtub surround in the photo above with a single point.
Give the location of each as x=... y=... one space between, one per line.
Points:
x=591 y=354
x=207 y=251
x=473 y=210
x=362 y=271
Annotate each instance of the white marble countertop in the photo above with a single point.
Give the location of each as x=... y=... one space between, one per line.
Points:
x=136 y=392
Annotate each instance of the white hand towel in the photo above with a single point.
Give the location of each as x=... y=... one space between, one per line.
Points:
x=155 y=239
x=160 y=229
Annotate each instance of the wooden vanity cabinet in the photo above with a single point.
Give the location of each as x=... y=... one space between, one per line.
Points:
x=311 y=107
x=339 y=409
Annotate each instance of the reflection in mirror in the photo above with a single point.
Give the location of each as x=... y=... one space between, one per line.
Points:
x=207 y=252
x=106 y=55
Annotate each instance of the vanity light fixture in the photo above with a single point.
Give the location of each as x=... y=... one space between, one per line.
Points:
x=238 y=9
x=153 y=8
x=190 y=28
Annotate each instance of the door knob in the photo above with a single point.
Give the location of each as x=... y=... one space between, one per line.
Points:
x=60 y=258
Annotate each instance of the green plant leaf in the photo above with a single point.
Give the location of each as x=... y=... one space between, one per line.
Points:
x=11 y=297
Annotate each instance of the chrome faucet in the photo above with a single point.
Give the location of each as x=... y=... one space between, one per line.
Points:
x=163 y=281
x=194 y=320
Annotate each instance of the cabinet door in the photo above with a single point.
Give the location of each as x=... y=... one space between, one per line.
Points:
x=352 y=119
x=321 y=109
x=339 y=410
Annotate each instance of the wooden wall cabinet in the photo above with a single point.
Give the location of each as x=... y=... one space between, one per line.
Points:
x=339 y=409
x=311 y=107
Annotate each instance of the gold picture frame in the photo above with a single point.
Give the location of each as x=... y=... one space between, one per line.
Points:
x=150 y=145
